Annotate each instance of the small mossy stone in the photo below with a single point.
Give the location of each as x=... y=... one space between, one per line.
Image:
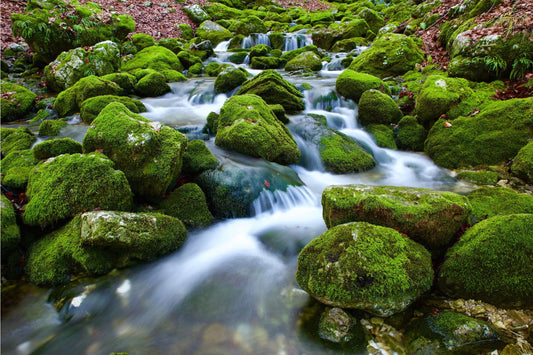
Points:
x=307 y=61
x=238 y=57
x=363 y=266
x=383 y=135
x=343 y=155
x=141 y=41
x=493 y=201
x=492 y=262
x=481 y=177
x=16 y=101
x=411 y=134
x=429 y=217
x=51 y=128
x=16 y=168
x=259 y=50
x=266 y=63
x=185 y=31
x=154 y=57
x=230 y=78
x=336 y=325
x=65 y=185
x=188 y=204
x=352 y=84
x=522 y=165
x=10 y=229
x=91 y=108
x=152 y=85
x=198 y=158
x=209 y=30
x=19 y=139
x=188 y=59
x=125 y=81
x=54 y=147
x=376 y=107
x=212 y=123
x=173 y=76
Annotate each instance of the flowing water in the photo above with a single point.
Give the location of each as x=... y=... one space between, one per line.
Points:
x=230 y=289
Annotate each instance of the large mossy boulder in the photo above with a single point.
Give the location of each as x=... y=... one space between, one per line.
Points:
x=493 y=136
x=376 y=107
x=149 y=153
x=248 y=125
x=16 y=101
x=494 y=201
x=154 y=57
x=230 y=78
x=522 y=165
x=63 y=186
x=14 y=139
x=92 y=107
x=306 y=61
x=152 y=85
x=198 y=158
x=15 y=169
x=352 y=84
x=209 y=30
x=429 y=217
x=97 y=242
x=10 y=229
x=69 y=67
x=272 y=88
x=363 y=266
x=391 y=54
x=188 y=204
x=325 y=38
x=492 y=262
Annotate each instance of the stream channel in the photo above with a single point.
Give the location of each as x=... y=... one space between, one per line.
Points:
x=231 y=288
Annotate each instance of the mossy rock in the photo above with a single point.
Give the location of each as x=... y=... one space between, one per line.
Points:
x=238 y=57
x=230 y=78
x=429 y=217
x=212 y=123
x=289 y=55
x=481 y=177
x=383 y=135
x=213 y=32
x=391 y=54
x=249 y=25
x=188 y=59
x=16 y=101
x=272 y=88
x=363 y=266
x=18 y=139
x=451 y=333
x=96 y=242
x=149 y=154
x=260 y=50
x=248 y=125
x=10 y=229
x=198 y=158
x=152 y=85
x=154 y=57
x=492 y=262
x=348 y=45
x=373 y=18
x=522 y=165
x=175 y=44
x=494 y=201
x=376 y=107
x=54 y=147
x=196 y=13
x=352 y=84
x=306 y=61
x=326 y=38
x=16 y=168
x=494 y=136
x=51 y=128
x=63 y=186
x=266 y=63
x=186 y=31
x=342 y=155
x=141 y=41
x=92 y=107
x=188 y=204
x=411 y=134
x=68 y=101
x=125 y=81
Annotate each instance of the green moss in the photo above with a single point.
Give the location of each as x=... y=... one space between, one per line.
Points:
x=376 y=107
x=479 y=177
x=19 y=139
x=155 y=57
x=489 y=202
x=16 y=101
x=213 y=32
x=287 y=56
x=51 y=128
x=266 y=63
x=343 y=155
x=142 y=41
x=363 y=266
x=383 y=135
x=173 y=76
x=198 y=158
x=230 y=78
x=212 y=123
x=125 y=81
x=61 y=187
x=260 y=50
x=188 y=59
x=249 y=126
x=188 y=204
x=352 y=84
x=492 y=262
x=16 y=168
x=429 y=217
x=185 y=31
x=306 y=61
x=523 y=163
x=493 y=136
x=10 y=229
x=349 y=44
x=54 y=147
x=411 y=134
x=90 y=108
x=151 y=85
x=373 y=18
x=249 y=25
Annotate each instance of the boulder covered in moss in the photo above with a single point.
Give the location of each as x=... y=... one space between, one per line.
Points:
x=272 y=88
x=492 y=262
x=16 y=168
x=363 y=266
x=97 y=242
x=376 y=107
x=248 y=125
x=266 y=63
x=149 y=153
x=188 y=204
x=494 y=201
x=54 y=147
x=411 y=134
x=209 y=30
x=154 y=57
x=142 y=40
x=383 y=135
x=198 y=158
x=16 y=101
x=51 y=128
x=352 y=84
x=391 y=54
x=10 y=229
x=125 y=81
x=61 y=187
x=493 y=136
x=16 y=139
x=429 y=217
x=188 y=59
x=230 y=78
x=92 y=107
x=522 y=165
x=152 y=85
x=325 y=38
x=307 y=61
x=250 y=24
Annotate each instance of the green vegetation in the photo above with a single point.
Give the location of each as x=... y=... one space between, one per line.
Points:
x=352 y=84
x=54 y=147
x=490 y=202
x=188 y=204
x=16 y=101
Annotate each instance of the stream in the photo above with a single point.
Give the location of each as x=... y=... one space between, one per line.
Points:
x=230 y=289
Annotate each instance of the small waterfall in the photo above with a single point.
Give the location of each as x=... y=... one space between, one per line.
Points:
x=278 y=201
x=222 y=47
x=296 y=40
x=310 y=155
x=255 y=39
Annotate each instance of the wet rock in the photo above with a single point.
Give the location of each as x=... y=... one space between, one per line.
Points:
x=335 y=325
x=230 y=78
x=198 y=158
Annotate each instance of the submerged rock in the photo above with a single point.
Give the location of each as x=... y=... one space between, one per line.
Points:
x=336 y=325
x=363 y=266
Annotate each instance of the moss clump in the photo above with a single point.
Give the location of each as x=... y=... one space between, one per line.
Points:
x=342 y=155
x=16 y=101
x=188 y=59
x=141 y=41
x=51 y=128
x=213 y=32
x=481 y=177
x=266 y=63
x=10 y=229
x=383 y=135
x=259 y=50
x=155 y=57
x=411 y=134
x=125 y=81
x=65 y=185
x=198 y=158
x=230 y=78
x=185 y=31
x=352 y=84
x=249 y=25
x=212 y=123
x=307 y=61
x=523 y=163
x=92 y=107
x=429 y=217
x=153 y=84
x=489 y=202
x=188 y=204
x=493 y=136
x=149 y=154
x=272 y=88
x=18 y=139
x=16 y=168
x=390 y=54
x=97 y=242
x=376 y=107
x=363 y=266
x=492 y=262
x=248 y=125
x=287 y=56
x=54 y=147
